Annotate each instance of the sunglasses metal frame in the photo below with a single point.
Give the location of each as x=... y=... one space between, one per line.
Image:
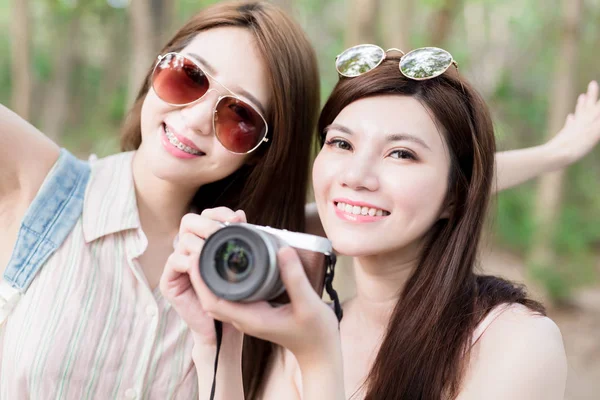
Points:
x=210 y=78
x=385 y=52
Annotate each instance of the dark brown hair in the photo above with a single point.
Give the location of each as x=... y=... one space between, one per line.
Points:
x=425 y=350
x=272 y=191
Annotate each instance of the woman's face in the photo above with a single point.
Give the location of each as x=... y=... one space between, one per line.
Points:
x=230 y=56
x=381 y=178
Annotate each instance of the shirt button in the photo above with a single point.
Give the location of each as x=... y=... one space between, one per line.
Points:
x=150 y=311
x=130 y=393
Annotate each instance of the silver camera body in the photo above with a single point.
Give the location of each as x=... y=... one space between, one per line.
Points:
x=239 y=261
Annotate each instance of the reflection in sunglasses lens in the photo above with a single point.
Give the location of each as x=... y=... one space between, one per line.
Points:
x=238 y=126
x=358 y=60
x=178 y=80
x=424 y=63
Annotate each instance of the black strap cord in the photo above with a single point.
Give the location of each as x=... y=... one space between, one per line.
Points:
x=219 y=333
x=329 y=274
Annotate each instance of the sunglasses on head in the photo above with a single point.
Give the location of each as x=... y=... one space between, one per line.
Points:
x=179 y=80
x=419 y=64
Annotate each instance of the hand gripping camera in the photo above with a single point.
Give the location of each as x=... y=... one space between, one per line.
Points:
x=239 y=263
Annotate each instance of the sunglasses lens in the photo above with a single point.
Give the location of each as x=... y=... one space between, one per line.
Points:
x=359 y=59
x=425 y=63
x=238 y=126
x=177 y=80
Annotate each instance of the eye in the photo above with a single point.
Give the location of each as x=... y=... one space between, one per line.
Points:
x=241 y=112
x=403 y=154
x=339 y=144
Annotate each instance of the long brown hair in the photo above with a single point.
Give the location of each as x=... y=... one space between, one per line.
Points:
x=272 y=191
x=424 y=352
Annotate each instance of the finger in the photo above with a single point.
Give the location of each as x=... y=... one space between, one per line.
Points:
x=222 y=214
x=592 y=94
x=199 y=225
x=190 y=243
x=581 y=101
x=241 y=216
x=176 y=265
x=294 y=278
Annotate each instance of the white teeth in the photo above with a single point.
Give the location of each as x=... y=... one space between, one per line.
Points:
x=175 y=142
x=357 y=210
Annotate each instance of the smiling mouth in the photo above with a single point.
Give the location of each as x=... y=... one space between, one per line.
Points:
x=181 y=146
x=358 y=210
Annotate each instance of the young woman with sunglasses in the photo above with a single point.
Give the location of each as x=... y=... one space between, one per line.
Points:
x=229 y=104
x=83 y=244
x=402 y=184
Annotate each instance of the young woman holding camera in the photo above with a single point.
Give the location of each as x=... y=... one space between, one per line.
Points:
x=402 y=184
x=205 y=130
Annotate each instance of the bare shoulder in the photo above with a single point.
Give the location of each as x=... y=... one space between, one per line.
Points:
x=519 y=356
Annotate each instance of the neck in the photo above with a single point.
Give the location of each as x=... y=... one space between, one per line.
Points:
x=161 y=204
x=380 y=281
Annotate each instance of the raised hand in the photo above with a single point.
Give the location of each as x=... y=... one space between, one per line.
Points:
x=581 y=131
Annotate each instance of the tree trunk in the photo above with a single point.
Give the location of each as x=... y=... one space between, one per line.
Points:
x=548 y=202
x=163 y=14
x=56 y=111
x=441 y=22
x=362 y=22
x=142 y=44
x=396 y=18
x=21 y=58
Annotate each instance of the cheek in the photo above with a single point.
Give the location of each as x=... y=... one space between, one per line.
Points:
x=419 y=195
x=150 y=114
x=322 y=177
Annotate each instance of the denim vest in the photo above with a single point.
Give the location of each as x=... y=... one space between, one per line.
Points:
x=46 y=224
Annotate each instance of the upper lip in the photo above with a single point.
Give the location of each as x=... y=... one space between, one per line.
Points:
x=357 y=203
x=182 y=138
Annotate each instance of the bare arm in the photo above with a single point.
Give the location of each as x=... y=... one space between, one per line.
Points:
x=229 y=382
x=26 y=155
x=579 y=135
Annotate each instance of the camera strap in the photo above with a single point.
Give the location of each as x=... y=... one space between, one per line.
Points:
x=219 y=334
x=329 y=275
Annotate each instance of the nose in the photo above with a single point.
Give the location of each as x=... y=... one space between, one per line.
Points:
x=359 y=173
x=199 y=115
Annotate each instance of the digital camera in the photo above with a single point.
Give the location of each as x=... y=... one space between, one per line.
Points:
x=239 y=261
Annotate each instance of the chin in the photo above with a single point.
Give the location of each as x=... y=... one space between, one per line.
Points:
x=355 y=248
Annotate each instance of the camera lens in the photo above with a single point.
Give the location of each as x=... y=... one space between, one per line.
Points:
x=233 y=260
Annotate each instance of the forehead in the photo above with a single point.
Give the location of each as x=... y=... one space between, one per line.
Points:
x=231 y=56
x=378 y=116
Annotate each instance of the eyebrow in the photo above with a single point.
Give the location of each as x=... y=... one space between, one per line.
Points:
x=211 y=70
x=394 y=137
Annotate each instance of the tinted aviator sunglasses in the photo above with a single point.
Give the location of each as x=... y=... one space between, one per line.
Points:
x=419 y=64
x=178 y=80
